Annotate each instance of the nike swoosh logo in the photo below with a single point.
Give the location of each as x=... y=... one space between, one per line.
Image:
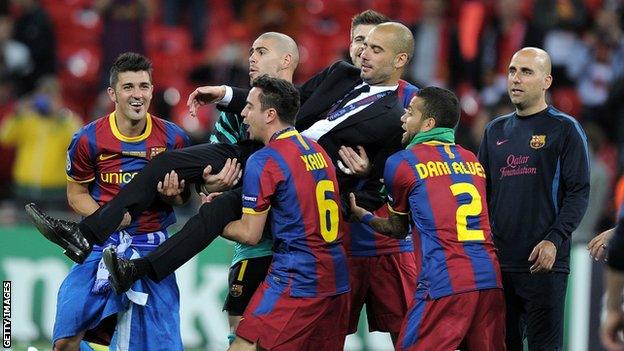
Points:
x=104 y=157
x=501 y=142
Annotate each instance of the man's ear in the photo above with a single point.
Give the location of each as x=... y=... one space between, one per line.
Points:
x=430 y=123
x=271 y=115
x=111 y=94
x=400 y=60
x=547 y=81
x=286 y=61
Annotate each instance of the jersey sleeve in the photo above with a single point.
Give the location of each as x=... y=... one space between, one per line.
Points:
x=398 y=184
x=575 y=178
x=227 y=129
x=260 y=182
x=80 y=166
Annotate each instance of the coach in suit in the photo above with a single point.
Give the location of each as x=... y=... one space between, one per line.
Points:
x=376 y=127
x=374 y=124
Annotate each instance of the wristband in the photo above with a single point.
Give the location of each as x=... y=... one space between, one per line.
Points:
x=367 y=218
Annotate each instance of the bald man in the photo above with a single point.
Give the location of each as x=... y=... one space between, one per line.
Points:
x=273 y=54
x=343 y=106
x=340 y=106
x=537 y=169
x=276 y=55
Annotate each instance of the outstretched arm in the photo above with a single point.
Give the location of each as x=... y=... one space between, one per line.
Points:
x=395 y=226
x=247 y=230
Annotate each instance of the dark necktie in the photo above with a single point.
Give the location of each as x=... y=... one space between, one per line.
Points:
x=350 y=96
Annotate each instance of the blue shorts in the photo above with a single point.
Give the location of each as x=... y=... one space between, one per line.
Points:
x=154 y=326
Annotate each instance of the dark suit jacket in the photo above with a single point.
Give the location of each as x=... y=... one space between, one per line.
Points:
x=377 y=127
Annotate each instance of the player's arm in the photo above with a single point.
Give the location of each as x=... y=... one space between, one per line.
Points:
x=613 y=322
x=575 y=178
x=248 y=229
x=395 y=226
x=79 y=198
x=81 y=201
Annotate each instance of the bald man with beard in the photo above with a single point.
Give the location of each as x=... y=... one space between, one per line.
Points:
x=341 y=106
x=537 y=167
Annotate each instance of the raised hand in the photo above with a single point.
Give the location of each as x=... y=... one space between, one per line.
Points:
x=208 y=94
x=355 y=163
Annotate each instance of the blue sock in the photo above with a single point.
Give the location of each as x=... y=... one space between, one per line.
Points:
x=231 y=338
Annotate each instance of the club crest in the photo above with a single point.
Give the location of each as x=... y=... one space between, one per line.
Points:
x=537 y=141
x=236 y=290
x=156 y=150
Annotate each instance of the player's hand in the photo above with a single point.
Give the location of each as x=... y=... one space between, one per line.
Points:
x=125 y=221
x=356 y=211
x=205 y=199
x=611 y=330
x=208 y=94
x=228 y=177
x=544 y=255
x=357 y=163
x=170 y=186
x=598 y=245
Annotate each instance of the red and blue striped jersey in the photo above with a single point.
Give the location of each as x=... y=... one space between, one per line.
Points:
x=362 y=240
x=442 y=186
x=101 y=156
x=406 y=92
x=294 y=177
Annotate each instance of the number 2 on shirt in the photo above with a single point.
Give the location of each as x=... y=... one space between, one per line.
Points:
x=473 y=208
x=328 y=209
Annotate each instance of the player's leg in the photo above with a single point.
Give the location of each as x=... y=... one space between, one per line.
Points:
x=359 y=285
x=280 y=322
x=82 y=313
x=330 y=331
x=136 y=196
x=514 y=311
x=487 y=328
x=241 y=344
x=155 y=325
x=196 y=234
x=244 y=278
x=545 y=311
x=439 y=324
x=393 y=280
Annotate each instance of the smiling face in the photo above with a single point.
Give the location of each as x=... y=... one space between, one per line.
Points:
x=527 y=81
x=132 y=94
x=358 y=34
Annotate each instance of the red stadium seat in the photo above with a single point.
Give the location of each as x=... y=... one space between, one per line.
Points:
x=567 y=100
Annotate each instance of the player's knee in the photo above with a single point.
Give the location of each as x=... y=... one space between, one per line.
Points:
x=69 y=344
x=241 y=344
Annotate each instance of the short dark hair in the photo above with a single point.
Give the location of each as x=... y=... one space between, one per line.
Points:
x=129 y=62
x=368 y=17
x=279 y=94
x=440 y=104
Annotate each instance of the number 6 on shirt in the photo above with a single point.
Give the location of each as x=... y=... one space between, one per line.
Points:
x=326 y=206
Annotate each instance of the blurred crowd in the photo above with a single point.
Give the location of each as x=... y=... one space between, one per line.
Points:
x=54 y=56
